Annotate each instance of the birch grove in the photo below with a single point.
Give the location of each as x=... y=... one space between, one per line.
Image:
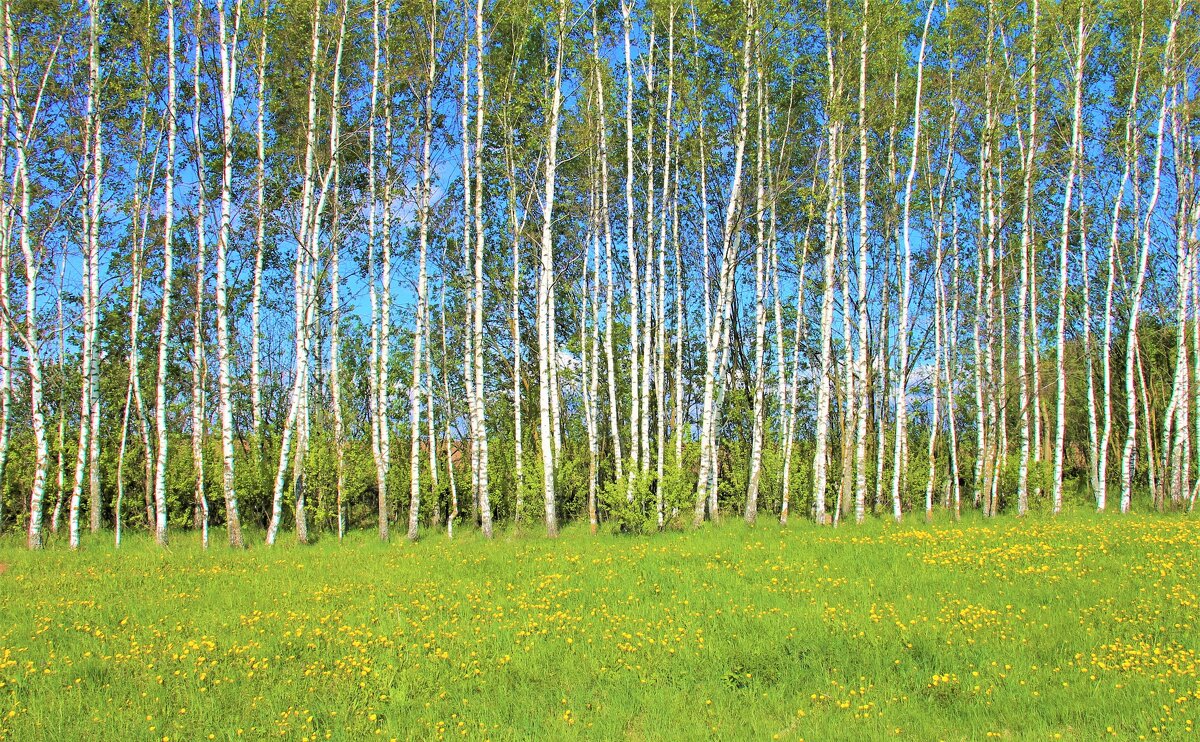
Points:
x=640 y=264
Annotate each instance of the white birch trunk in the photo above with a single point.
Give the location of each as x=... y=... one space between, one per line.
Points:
x=760 y=309
x=294 y=424
x=799 y=333
x=899 y=455
x=609 y=306
x=335 y=280
x=414 y=389
x=516 y=226
x=95 y=195
x=1131 y=342
x=631 y=249
x=468 y=356
x=1064 y=248
x=589 y=333
x=200 y=515
x=545 y=283
x=481 y=437
x=24 y=125
x=376 y=390
x=825 y=379
x=706 y=494
x=660 y=341
x=642 y=388
x=860 y=432
x=132 y=406
x=164 y=319
x=1027 y=270
x=228 y=93
x=6 y=231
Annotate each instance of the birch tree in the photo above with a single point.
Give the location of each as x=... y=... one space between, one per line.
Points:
x=833 y=130
x=545 y=317
x=164 y=311
x=1139 y=280
x=481 y=436
x=414 y=389
x=200 y=516
x=228 y=39
x=898 y=455
x=1064 y=253
x=715 y=344
x=25 y=119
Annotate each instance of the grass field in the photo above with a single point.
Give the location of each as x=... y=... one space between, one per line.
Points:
x=1079 y=627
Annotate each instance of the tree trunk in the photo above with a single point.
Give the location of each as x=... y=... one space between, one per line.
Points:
x=545 y=319
x=164 y=318
x=631 y=248
x=1131 y=342
x=899 y=456
x=609 y=305
x=1064 y=248
x=200 y=514
x=414 y=389
x=864 y=319
x=481 y=437
x=228 y=92
x=760 y=309
x=706 y=494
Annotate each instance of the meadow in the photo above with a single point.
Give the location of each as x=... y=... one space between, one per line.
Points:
x=1076 y=627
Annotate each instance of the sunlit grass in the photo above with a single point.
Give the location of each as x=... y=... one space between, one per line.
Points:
x=1082 y=626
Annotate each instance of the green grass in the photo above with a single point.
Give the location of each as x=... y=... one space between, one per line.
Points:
x=1081 y=626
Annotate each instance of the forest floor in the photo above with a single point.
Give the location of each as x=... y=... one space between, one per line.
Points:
x=1077 y=627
